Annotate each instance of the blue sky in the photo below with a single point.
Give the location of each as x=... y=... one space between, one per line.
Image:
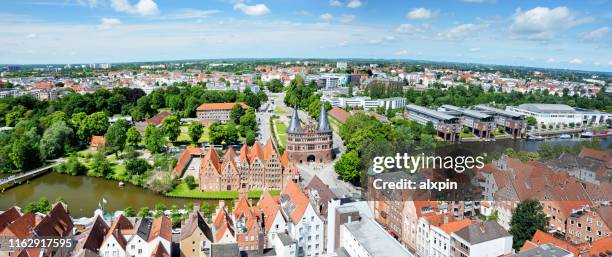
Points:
x=557 y=34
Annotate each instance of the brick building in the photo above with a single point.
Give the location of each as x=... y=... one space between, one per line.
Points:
x=311 y=143
x=253 y=168
x=217 y=111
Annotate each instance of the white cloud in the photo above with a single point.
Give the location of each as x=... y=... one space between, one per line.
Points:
x=401 y=52
x=610 y=62
x=459 y=32
x=90 y=3
x=354 y=4
x=190 y=13
x=419 y=14
x=252 y=10
x=576 y=61
x=596 y=35
x=474 y=49
x=31 y=35
x=543 y=23
x=143 y=7
x=335 y=3
x=346 y=18
x=406 y=28
x=107 y=23
x=551 y=60
x=326 y=17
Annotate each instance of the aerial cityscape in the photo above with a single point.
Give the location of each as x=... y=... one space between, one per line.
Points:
x=332 y=128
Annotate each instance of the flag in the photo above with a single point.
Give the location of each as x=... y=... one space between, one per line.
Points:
x=104 y=200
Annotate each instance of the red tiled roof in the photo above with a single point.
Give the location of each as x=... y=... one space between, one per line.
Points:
x=211 y=158
x=270 y=207
x=97 y=140
x=595 y=154
x=339 y=114
x=21 y=227
x=541 y=237
x=185 y=158
x=299 y=199
x=8 y=217
x=161 y=227
x=455 y=225
x=158 y=118
x=219 y=106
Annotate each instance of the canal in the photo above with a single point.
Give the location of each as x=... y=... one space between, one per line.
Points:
x=83 y=194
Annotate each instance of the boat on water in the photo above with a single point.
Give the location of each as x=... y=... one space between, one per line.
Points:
x=565 y=136
x=535 y=138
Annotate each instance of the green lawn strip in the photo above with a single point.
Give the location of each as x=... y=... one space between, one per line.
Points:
x=279 y=110
x=467 y=135
x=181 y=190
x=184 y=136
x=280 y=131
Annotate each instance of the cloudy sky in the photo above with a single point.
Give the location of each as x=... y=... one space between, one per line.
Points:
x=541 y=33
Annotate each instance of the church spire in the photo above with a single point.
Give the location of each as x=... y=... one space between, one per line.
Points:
x=323 y=122
x=294 y=124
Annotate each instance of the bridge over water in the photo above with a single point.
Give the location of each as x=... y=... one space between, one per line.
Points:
x=19 y=178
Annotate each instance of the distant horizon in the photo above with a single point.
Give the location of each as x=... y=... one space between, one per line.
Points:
x=312 y=58
x=573 y=35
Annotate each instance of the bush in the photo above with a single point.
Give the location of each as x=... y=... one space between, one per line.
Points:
x=190 y=181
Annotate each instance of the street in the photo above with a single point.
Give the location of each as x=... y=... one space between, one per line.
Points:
x=324 y=171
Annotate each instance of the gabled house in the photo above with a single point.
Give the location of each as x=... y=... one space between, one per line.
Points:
x=196 y=236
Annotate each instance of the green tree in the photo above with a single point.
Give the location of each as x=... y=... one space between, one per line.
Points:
x=236 y=112
x=154 y=141
x=216 y=133
x=527 y=218
x=249 y=119
x=430 y=129
x=171 y=127
x=137 y=166
x=195 y=131
x=116 y=136
x=25 y=152
x=72 y=166
x=190 y=181
x=95 y=124
x=42 y=205
x=250 y=137
x=348 y=166
x=132 y=137
x=55 y=141
x=100 y=166
x=531 y=121
x=144 y=212
x=129 y=212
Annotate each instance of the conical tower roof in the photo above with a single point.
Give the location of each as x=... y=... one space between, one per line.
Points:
x=323 y=122
x=294 y=125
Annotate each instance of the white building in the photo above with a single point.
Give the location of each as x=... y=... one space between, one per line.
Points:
x=341 y=65
x=553 y=114
x=365 y=102
x=481 y=240
x=366 y=238
x=332 y=80
x=440 y=239
x=303 y=223
x=139 y=237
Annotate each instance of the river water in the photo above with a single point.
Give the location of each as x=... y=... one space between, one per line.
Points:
x=84 y=194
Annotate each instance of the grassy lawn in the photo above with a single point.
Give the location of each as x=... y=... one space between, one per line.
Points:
x=281 y=111
x=498 y=133
x=467 y=135
x=335 y=123
x=281 y=136
x=184 y=136
x=181 y=190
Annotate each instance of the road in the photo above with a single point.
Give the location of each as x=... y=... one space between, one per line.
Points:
x=324 y=171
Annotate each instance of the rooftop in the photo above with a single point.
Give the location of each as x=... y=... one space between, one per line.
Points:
x=375 y=239
x=429 y=112
x=545 y=250
x=482 y=232
x=547 y=108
